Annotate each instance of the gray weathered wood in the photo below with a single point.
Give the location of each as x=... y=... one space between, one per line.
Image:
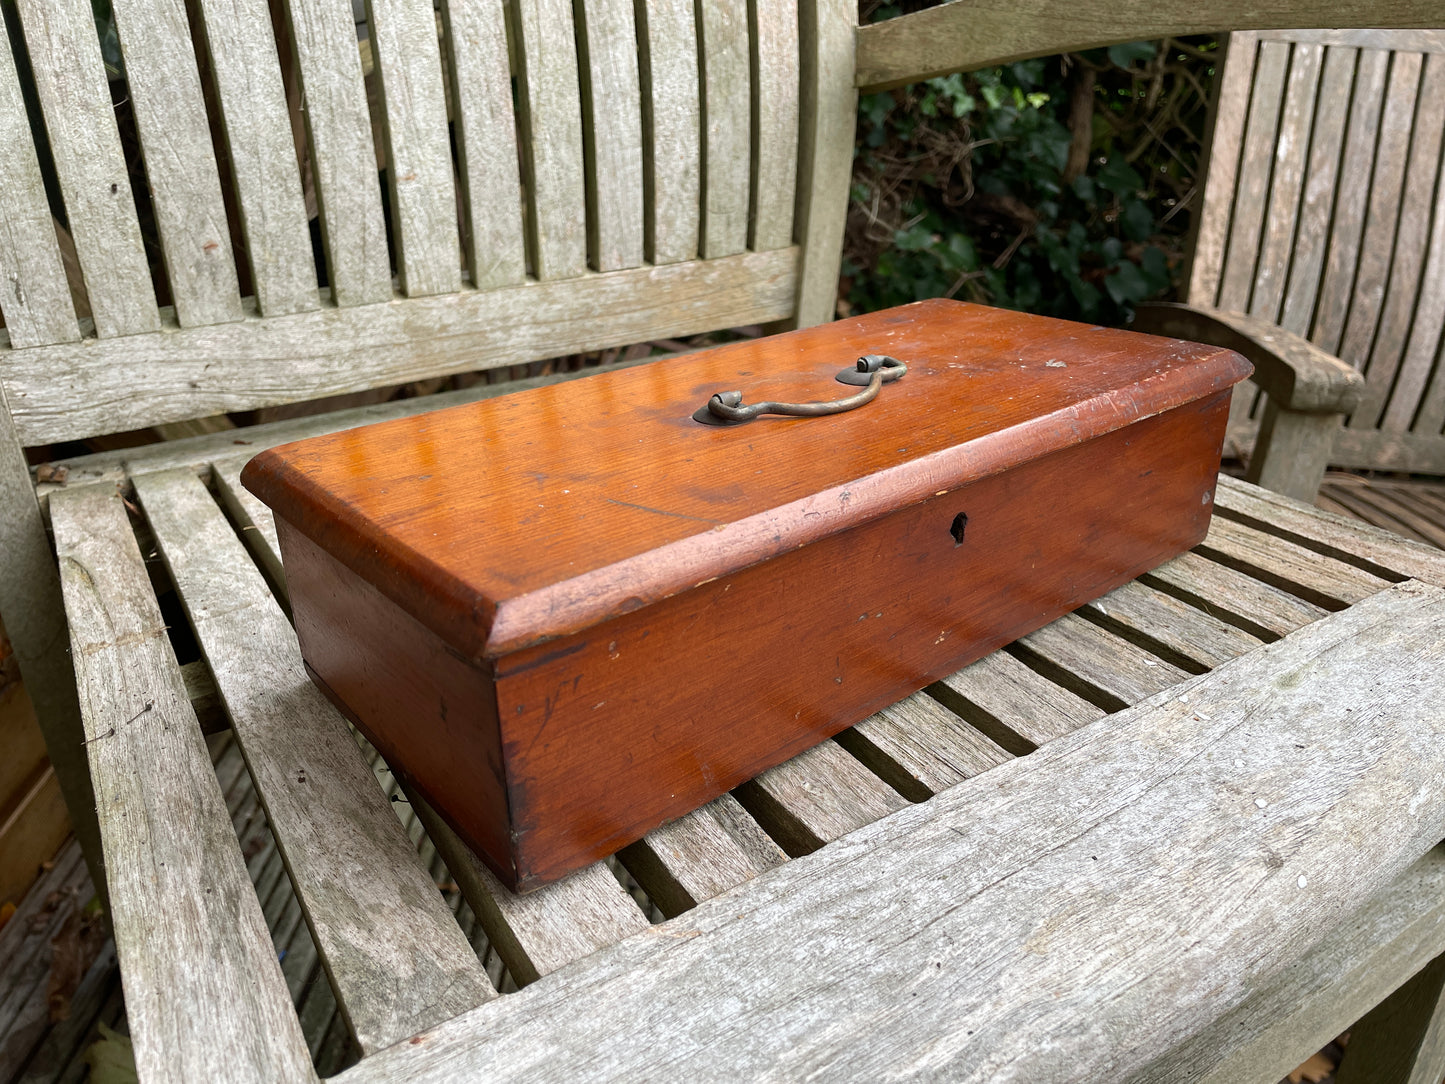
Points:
x=701 y=855
x=1015 y=696
x=722 y=34
x=1351 y=202
x=1375 y=271
x=204 y=994
x=1105 y=668
x=1292 y=451
x=919 y=747
x=1287 y=181
x=1319 y=996
x=546 y=929
x=254 y=520
x=1326 y=140
x=241 y=47
x=75 y=390
x=90 y=165
x=1420 y=41
x=774 y=36
x=1336 y=536
x=1251 y=189
x=486 y=136
x=1230 y=110
x=817 y=796
x=1057 y=886
x=549 y=121
x=1193 y=639
x=1257 y=608
x=1401 y=1040
x=391 y=945
x=180 y=163
x=418 y=148
x=827 y=116
x=34 y=616
x=1314 y=577
x=671 y=133
x=1408 y=289
x=611 y=131
x=34 y=295
x=962 y=36
x=343 y=155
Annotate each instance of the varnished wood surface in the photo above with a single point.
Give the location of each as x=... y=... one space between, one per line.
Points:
x=510 y=522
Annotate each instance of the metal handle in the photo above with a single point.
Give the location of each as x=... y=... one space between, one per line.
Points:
x=727 y=407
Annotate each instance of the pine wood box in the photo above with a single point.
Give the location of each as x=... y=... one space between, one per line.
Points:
x=569 y=614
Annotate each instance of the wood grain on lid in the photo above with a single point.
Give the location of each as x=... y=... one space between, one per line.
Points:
x=505 y=523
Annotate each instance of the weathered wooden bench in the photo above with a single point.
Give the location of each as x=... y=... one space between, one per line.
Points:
x=1119 y=849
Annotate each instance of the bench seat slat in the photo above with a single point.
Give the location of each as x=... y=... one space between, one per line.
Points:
x=1260 y=608
x=1024 y=701
x=1112 y=668
x=1088 y=904
x=546 y=929
x=1322 y=580
x=180 y=162
x=74 y=95
x=391 y=945
x=1136 y=611
x=203 y=990
x=252 y=516
x=921 y=747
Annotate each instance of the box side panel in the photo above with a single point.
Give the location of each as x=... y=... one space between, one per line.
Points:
x=640 y=719
x=432 y=714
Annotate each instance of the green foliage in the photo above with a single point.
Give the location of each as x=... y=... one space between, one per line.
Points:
x=964 y=185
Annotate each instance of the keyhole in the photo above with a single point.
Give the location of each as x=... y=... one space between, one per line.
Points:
x=960 y=521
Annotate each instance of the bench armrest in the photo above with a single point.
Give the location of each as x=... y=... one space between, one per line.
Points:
x=1293 y=372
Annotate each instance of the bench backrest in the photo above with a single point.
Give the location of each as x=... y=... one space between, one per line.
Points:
x=1324 y=212
x=559 y=177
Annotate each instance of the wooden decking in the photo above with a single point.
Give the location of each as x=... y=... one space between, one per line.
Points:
x=48 y=950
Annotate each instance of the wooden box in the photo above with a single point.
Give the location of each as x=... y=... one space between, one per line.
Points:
x=569 y=614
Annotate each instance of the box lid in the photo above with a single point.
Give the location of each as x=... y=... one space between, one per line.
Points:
x=505 y=523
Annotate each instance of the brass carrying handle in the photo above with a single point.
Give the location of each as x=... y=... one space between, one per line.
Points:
x=728 y=408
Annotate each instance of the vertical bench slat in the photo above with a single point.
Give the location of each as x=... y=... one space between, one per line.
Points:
x=419 y=155
x=34 y=295
x=486 y=135
x=774 y=25
x=671 y=145
x=1326 y=140
x=89 y=163
x=343 y=156
x=827 y=117
x=204 y=993
x=1376 y=270
x=180 y=163
x=1407 y=265
x=537 y=933
x=1290 y=154
x=550 y=125
x=1252 y=187
x=241 y=44
x=612 y=132
x=723 y=50
x=1349 y=219
x=392 y=947
x=1225 y=138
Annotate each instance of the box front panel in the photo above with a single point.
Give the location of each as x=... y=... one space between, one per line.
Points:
x=643 y=718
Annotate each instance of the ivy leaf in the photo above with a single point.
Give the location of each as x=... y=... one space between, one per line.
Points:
x=1137 y=221
x=1125 y=55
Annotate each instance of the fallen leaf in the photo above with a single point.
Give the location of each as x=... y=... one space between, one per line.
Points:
x=49 y=472
x=1314 y=1069
x=111 y=1060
